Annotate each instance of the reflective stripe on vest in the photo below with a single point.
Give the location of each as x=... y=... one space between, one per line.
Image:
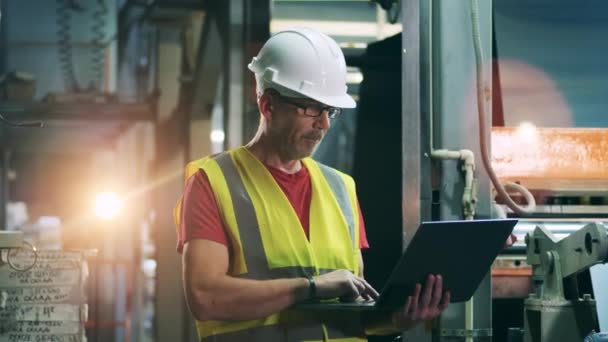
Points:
x=245 y=217
x=339 y=190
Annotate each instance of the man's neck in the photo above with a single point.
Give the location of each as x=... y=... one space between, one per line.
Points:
x=271 y=157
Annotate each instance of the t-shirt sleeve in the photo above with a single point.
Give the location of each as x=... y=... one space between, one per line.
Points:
x=363 y=244
x=200 y=217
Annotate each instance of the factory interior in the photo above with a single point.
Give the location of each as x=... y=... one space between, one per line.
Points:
x=465 y=110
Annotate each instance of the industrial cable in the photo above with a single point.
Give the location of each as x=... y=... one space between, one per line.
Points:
x=64 y=43
x=98 y=43
x=482 y=119
x=98 y=48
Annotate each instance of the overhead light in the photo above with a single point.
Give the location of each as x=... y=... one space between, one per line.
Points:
x=107 y=205
x=339 y=28
x=354 y=77
x=217 y=136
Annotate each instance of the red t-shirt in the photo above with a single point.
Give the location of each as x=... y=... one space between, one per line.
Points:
x=200 y=214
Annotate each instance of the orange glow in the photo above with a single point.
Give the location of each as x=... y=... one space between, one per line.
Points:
x=558 y=157
x=529 y=94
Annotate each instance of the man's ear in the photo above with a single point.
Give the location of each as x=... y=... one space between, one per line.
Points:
x=265 y=105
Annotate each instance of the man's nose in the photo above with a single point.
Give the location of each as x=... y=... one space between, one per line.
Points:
x=322 y=121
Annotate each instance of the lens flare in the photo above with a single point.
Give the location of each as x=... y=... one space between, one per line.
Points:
x=107 y=205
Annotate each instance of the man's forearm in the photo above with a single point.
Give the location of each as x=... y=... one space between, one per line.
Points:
x=232 y=299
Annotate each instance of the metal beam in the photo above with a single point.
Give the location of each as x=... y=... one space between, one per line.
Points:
x=29 y=111
x=233 y=71
x=411 y=119
x=3 y=36
x=207 y=76
x=437 y=68
x=172 y=320
x=457 y=127
x=4 y=169
x=550 y=158
x=72 y=139
x=257 y=18
x=240 y=44
x=416 y=205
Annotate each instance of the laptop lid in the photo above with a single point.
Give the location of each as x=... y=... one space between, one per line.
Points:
x=462 y=252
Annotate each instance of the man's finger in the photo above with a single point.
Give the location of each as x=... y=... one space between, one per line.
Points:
x=360 y=285
x=445 y=301
x=373 y=294
x=437 y=290
x=406 y=307
x=363 y=294
x=353 y=290
x=428 y=291
x=363 y=289
x=510 y=241
x=369 y=289
x=415 y=299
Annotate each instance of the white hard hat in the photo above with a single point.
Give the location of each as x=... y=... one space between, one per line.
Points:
x=302 y=62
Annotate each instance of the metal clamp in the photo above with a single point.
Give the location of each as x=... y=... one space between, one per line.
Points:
x=465 y=332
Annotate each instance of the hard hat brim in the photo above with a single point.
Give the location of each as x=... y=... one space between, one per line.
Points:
x=342 y=101
x=345 y=101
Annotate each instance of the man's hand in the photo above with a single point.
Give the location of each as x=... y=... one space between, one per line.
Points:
x=343 y=284
x=423 y=305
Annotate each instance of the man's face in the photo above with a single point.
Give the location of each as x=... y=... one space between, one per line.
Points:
x=296 y=133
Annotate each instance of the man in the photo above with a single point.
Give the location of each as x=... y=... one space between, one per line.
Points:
x=263 y=227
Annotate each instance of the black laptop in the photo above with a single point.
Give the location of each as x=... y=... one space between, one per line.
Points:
x=462 y=252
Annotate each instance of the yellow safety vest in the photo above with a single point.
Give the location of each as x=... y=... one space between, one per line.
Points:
x=268 y=242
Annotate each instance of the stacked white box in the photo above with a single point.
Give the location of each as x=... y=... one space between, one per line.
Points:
x=46 y=302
